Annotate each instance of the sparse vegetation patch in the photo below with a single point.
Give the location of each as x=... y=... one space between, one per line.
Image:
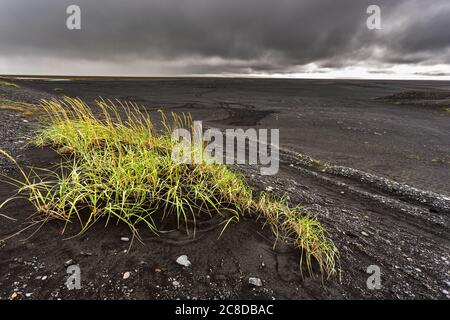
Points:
x=118 y=167
x=8 y=84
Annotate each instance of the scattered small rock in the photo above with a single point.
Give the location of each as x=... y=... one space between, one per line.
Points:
x=126 y=275
x=176 y=284
x=183 y=260
x=125 y=239
x=44 y=278
x=365 y=234
x=28 y=294
x=255 y=281
x=68 y=263
x=269 y=189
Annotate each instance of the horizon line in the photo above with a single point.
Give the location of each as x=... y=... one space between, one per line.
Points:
x=208 y=76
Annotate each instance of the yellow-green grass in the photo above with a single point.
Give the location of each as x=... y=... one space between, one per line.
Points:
x=117 y=166
x=8 y=84
x=26 y=109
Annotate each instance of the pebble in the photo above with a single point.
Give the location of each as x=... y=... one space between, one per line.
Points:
x=176 y=284
x=365 y=234
x=44 y=278
x=28 y=295
x=125 y=239
x=68 y=263
x=183 y=260
x=255 y=281
x=417 y=269
x=126 y=275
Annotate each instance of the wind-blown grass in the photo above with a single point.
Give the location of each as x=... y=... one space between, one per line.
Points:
x=8 y=84
x=26 y=109
x=117 y=166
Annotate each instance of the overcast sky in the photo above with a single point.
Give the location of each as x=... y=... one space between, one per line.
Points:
x=289 y=38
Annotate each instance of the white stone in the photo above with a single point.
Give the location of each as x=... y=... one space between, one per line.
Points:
x=255 y=281
x=183 y=260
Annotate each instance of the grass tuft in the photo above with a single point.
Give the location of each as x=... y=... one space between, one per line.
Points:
x=118 y=166
x=26 y=109
x=8 y=84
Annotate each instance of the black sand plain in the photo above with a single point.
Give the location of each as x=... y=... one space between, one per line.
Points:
x=384 y=194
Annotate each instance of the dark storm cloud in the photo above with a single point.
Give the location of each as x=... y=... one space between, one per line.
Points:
x=234 y=36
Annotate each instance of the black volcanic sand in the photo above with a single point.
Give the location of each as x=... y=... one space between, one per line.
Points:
x=337 y=121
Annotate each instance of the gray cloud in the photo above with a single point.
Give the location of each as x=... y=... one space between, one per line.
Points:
x=221 y=36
